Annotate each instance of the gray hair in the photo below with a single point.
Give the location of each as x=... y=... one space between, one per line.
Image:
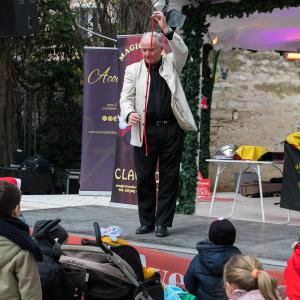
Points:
x=157 y=37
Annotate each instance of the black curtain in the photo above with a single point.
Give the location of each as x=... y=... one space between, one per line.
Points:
x=290 y=193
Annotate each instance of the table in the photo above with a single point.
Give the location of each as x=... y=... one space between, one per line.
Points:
x=222 y=164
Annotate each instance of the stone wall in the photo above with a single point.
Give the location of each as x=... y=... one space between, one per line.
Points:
x=256 y=101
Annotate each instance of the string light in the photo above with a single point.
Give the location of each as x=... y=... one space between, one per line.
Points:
x=292 y=56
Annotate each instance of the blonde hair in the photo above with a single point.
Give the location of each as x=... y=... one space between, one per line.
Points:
x=247 y=273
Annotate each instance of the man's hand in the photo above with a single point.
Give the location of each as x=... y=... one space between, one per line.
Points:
x=133 y=118
x=161 y=21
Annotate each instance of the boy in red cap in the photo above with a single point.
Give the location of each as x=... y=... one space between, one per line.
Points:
x=16 y=182
x=19 y=276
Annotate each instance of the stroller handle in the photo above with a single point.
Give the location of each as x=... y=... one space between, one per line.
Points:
x=122 y=265
x=99 y=239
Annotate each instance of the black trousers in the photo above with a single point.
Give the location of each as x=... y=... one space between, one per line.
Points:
x=164 y=148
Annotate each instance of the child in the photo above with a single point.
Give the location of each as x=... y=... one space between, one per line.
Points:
x=204 y=277
x=292 y=274
x=19 y=276
x=245 y=279
x=17 y=182
x=50 y=236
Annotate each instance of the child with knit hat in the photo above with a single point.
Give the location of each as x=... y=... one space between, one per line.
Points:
x=204 y=277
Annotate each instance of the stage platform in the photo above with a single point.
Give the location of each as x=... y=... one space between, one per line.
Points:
x=268 y=241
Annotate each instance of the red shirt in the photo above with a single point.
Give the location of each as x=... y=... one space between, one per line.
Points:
x=292 y=275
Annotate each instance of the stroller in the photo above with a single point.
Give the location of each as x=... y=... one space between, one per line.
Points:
x=96 y=271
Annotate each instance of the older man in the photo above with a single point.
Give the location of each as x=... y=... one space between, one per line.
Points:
x=158 y=137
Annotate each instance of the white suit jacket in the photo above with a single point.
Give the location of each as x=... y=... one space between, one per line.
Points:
x=134 y=90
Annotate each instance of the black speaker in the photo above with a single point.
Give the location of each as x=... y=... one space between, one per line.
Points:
x=18 y=17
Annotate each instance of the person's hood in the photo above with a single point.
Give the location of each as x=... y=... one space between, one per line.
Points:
x=8 y=251
x=47 y=248
x=50 y=230
x=213 y=257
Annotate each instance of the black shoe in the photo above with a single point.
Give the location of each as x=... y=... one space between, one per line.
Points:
x=144 y=229
x=161 y=231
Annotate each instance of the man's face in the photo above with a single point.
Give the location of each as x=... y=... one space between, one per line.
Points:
x=155 y=53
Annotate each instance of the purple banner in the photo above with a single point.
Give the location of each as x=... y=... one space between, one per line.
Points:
x=124 y=180
x=100 y=120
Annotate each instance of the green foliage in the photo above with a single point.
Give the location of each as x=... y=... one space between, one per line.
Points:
x=188 y=175
x=190 y=80
x=55 y=54
x=194 y=29
x=49 y=66
x=207 y=87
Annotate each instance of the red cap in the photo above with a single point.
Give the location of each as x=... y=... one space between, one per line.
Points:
x=12 y=180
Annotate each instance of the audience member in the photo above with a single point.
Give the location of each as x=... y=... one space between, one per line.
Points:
x=204 y=277
x=17 y=182
x=49 y=237
x=292 y=274
x=245 y=279
x=19 y=276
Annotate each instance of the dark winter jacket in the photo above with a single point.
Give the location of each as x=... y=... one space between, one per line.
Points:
x=54 y=284
x=204 y=277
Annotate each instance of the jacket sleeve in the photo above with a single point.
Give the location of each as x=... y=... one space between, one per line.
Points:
x=28 y=276
x=179 y=52
x=127 y=99
x=190 y=280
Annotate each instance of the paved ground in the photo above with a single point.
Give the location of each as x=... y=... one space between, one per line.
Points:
x=272 y=242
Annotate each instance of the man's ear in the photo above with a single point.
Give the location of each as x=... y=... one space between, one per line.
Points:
x=16 y=211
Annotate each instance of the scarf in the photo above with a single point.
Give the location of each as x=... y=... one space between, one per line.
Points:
x=18 y=232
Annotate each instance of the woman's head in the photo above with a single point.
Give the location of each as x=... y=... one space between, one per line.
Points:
x=246 y=273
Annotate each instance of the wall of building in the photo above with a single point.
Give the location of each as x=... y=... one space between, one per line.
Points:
x=255 y=102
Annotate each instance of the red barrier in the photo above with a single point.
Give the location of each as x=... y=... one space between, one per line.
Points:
x=171 y=267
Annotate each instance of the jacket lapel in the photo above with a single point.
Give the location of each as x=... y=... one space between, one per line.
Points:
x=142 y=85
